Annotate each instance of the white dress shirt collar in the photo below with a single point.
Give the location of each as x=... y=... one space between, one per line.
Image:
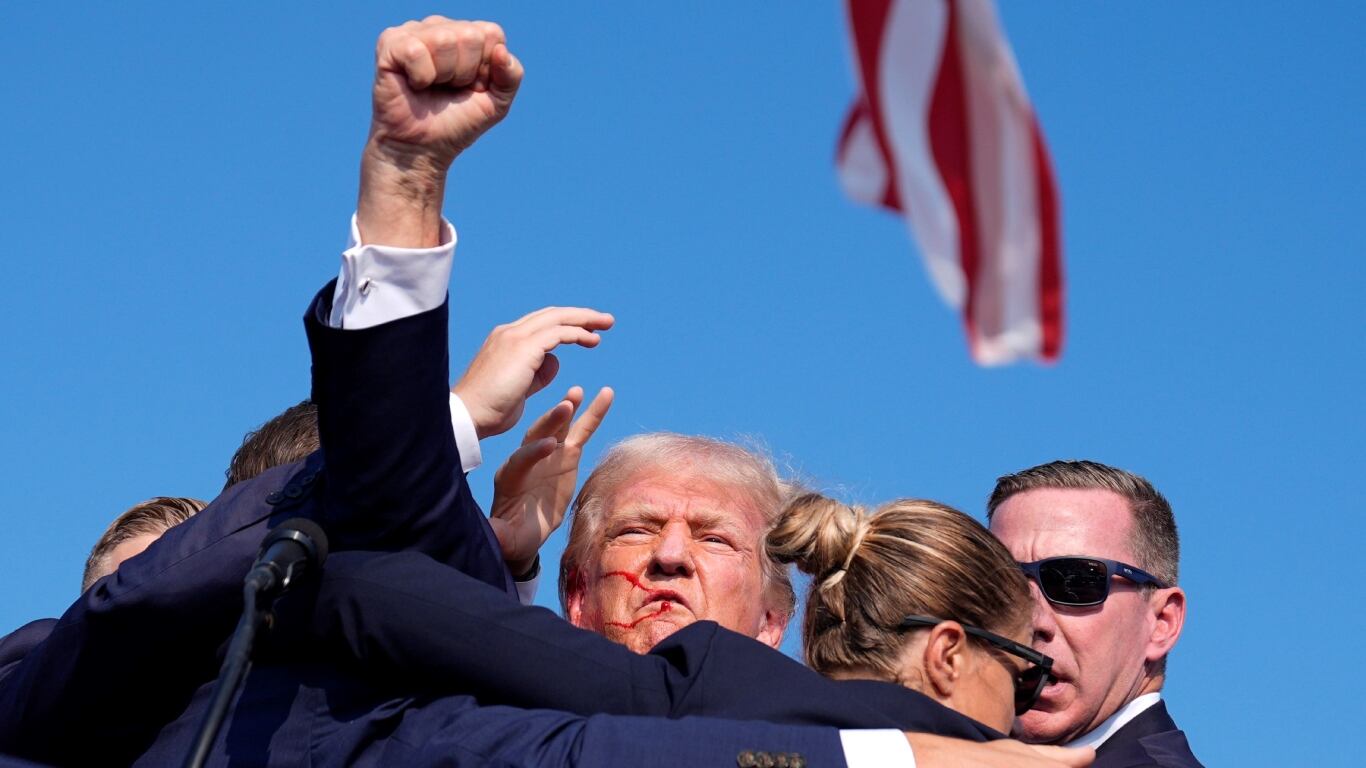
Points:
x=1118 y=720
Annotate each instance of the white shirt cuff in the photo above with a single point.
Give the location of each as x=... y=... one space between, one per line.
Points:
x=381 y=283
x=526 y=590
x=876 y=748
x=466 y=439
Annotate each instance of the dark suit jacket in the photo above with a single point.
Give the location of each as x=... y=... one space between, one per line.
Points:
x=16 y=645
x=1150 y=739
x=128 y=656
x=406 y=617
x=310 y=714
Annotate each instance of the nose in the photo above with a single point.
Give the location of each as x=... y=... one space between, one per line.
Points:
x=672 y=554
x=1044 y=625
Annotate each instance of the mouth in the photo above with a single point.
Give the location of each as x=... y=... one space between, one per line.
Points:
x=661 y=597
x=1049 y=696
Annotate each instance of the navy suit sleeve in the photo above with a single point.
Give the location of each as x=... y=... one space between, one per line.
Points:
x=128 y=655
x=392 y=472
x=457 y=735
x=405 y=617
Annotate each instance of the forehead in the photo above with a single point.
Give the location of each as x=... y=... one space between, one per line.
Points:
x=689 y=496
x=1049 y=522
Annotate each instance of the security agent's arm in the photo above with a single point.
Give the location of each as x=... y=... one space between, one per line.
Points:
x=473 y=639
x=449 y=731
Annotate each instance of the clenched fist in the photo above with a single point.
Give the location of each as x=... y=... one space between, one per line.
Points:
x=439 y=85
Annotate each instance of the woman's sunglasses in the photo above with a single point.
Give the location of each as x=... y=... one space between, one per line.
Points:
x=1082 y=581
x=1029 y=683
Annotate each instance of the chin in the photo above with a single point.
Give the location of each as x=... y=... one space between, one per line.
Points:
x=1035 y=727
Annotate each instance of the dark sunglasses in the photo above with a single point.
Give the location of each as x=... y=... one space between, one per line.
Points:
x=1029 y=683
x=1082 y=581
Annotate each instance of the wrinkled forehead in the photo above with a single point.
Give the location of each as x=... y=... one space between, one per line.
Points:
x=1052 y=522
x=690 y=495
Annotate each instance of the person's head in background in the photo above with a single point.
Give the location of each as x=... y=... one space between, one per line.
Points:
x=668 y=530
x=132 y=531
x=1107 y=609
x=915 y=593
x=289 y=437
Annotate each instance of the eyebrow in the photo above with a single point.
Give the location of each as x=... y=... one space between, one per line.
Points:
x=716 y=520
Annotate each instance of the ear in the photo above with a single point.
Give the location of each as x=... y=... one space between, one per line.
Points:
x=772 y=628
x=1168 y=608
x=573 y=597
x=945 y=657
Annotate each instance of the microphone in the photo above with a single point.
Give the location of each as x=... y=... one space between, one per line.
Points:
x=292 y=548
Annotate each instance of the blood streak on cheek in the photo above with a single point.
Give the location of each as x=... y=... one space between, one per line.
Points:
x=664 y=608
x=630 y=577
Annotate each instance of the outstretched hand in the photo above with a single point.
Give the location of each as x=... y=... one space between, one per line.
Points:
x=532 y=490
x=516 y=362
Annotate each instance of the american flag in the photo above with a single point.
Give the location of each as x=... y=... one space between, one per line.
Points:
x=943 y=133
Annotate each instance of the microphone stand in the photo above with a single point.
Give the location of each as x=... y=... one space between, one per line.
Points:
x=236 y=665
x=264 y=582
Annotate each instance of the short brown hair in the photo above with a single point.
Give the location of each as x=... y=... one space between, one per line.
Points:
x=910 y=557
x=1155 y=543
x=153 y=516
x=285 y=439
x=748 y=470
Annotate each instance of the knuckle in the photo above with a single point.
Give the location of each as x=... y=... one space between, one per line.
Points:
x=492 y=29
x=444 y=38
x=469 y=35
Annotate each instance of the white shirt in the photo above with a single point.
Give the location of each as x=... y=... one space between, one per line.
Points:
x=379 y=284
x=1113 y=723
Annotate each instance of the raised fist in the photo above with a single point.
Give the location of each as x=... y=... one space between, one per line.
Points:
x=439 y=84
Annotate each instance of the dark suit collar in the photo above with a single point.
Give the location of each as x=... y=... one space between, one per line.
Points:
x=1150 y=739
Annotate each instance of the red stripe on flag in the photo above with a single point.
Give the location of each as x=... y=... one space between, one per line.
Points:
x=1050 y=251
x=868 y=19
x=950 y=143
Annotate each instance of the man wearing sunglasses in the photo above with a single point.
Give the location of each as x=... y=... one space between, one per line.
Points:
x=1100 y=548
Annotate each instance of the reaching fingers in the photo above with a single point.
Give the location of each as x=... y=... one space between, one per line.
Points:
x=574 y=397
x=515 y=470
x=582 y=317
x=554 y=336
x=591 y=418
x=551 y=422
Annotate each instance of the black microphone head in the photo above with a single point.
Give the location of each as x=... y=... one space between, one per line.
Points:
x=304 y=531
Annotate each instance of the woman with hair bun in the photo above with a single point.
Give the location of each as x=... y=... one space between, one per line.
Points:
x=916 y=593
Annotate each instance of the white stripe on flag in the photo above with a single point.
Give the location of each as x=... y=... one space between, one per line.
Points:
x=913 y=43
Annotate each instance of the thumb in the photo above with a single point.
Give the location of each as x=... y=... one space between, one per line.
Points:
x=505 y=76
x=550 y=366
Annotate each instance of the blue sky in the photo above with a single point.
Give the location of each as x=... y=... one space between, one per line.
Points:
x=177 y=183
